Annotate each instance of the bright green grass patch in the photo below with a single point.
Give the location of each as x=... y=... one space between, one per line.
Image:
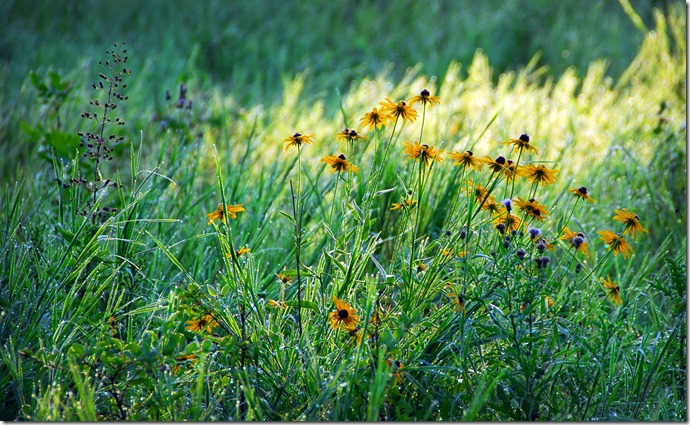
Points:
x=318 y=298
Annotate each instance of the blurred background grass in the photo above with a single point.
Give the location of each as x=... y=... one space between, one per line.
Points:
x=248 y=48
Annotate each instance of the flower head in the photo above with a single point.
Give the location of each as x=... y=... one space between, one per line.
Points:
x=532 y=208
x=458 y=302
x=405 y=204
x=538 y=174
x=581 y=192
x=206 y=323
x=396 y=365
x=466 y=159
x=277 y=304
x=298 y=139
x=349 y=135
x=340 y=163
x=283 y=278
x=425 y=97
x=630 y=221
x=496 y=165
x=374 y=119
x=344 y=314
x=398 y=110
x=423 y=152
x=612 y=290
x=577 y=240
x=522 y=143
x=229 y=211
x=616 y=242
x=509 y=221
x=241 y=252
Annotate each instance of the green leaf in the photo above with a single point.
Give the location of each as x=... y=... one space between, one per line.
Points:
x=304 y=304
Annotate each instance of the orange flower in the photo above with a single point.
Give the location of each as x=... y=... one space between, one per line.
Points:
x=344 y=314
x=616 y=242
x=230 y=211
x=398 y=110
x=423 y=152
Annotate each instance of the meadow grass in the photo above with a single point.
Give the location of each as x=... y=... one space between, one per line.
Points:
x=386 y=293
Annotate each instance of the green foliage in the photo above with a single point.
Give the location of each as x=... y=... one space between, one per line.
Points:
x=172 y=308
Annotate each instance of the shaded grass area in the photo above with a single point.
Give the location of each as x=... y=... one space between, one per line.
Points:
x=103 y=320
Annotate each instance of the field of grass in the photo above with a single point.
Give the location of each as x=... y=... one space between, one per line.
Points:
x=508 y=245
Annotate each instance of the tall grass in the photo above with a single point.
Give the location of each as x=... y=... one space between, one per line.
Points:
x=152 y=313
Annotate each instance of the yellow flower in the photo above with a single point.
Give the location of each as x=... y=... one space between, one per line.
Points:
x=532 y=208
x=283 y=278
x=466 y=159
x=577 y=240
x=374 y=119
x=511 y=222
x=612 y=290
x=421 y=267
x=425 y=97
x=616 y=242
x=423 y=152
x=404 y=204
x=230 y=211
x=479 y=192
x=298 y=139
x=522 y=143
x=538 y=174
x=206 y=323
x=356 y=335
x=340 y=163
x=581 y=192
x=277 y=304
x=497 y=165
x=241 y=252
x=458 y=302
x=349 y=135
x=343 y=314
x=396 y=365
x=493 y=207
x=398 y=110
x=631 y=222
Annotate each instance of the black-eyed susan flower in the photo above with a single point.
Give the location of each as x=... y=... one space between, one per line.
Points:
x=277 y=304
x=396 y=366
x=509 y=170
x=349 y=135
x=458 y=302
x=522 y=143
x=242 y=251
x=492 y=207
x=509 y=221
x=581 y=192
x=405 y=204
x=220 y=214
x=339 y=164
x=496 y=165
x=283 y=278
x=532 y=208
x=630 y=221
x=400 y=110
x=204 y=324
x=344 y=314
x=612 y=290
x=616 y=242
x=374 y=119
x=425 y=98
x=577 y=240
x=538 y=173
x=466 y=159
x=478 y=191
x=355 y=335
x=423 y=152
x=298 y=140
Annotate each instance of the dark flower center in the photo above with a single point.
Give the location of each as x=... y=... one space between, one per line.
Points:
x=425 y=93
x=297 y=136
x=582 y=190
x=470 y=153
x=524 y=138
x=425 y=146
x=341 y=156
x=342 y=314
x=353 y=133
x=500 y=160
